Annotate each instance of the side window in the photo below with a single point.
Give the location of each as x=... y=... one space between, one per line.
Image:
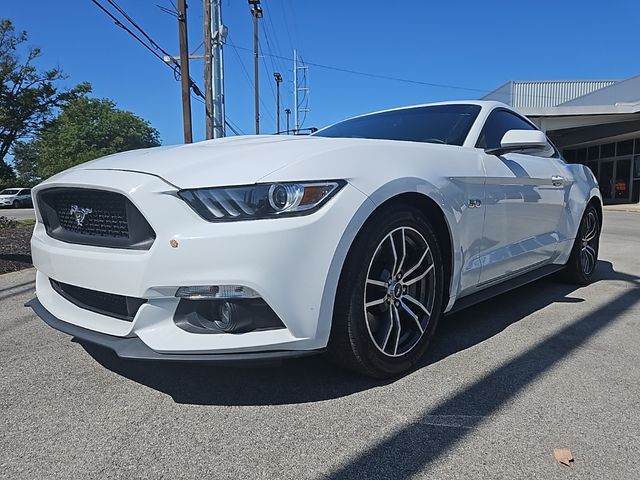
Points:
x=501 y=121
x=497 y=124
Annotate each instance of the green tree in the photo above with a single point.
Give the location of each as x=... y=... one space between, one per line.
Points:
x=86 y=128
x=7 y=176
x=25 y=163
x=29 y=98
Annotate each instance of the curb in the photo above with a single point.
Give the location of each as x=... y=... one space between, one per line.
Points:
x=633 y=209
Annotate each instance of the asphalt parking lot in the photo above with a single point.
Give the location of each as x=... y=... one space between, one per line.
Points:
x=546 y=366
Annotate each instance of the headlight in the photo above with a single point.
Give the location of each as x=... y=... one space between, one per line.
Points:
x=265 y=200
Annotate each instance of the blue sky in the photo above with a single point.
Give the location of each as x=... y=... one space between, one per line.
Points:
x=476 y=45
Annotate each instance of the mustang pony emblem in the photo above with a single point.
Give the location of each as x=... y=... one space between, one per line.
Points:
x=80 y=214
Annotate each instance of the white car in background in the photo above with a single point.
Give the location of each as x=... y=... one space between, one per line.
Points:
x=353 y=241
x=15 y=197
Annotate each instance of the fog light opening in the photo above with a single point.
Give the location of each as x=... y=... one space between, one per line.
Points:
x=228 y=316
x=234 y=318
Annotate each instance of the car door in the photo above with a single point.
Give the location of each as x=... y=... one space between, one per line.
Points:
x=523 y=204
x=21 y=197
x=26 y=197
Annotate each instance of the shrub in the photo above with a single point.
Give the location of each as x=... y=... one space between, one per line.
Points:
x=6 y=222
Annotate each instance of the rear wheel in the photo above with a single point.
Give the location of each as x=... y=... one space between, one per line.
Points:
x=389 y=295
x=584 y=256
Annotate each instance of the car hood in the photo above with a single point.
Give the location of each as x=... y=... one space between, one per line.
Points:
x=226 y=161
x=4 y=197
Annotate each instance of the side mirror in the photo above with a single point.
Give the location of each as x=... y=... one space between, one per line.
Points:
x=518 y=140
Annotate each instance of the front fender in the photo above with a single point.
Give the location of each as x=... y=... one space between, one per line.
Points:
x=379 y=196
x=451 y=197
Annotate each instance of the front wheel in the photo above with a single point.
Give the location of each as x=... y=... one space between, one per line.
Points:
x=584 y=256
x=389 y=297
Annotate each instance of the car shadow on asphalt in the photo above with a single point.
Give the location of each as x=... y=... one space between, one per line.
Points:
x=411 y=449
x=30 y=283
x=314 y=378
x=16 y=257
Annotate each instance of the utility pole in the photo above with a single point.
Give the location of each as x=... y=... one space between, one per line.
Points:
x=185 y=80
x=220 y=32
x=278 y=78
x=256 y=11
x=208 y=70
x=287 y=111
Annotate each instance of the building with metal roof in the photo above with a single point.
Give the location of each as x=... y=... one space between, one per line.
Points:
x=544 y=93
x=595 y=122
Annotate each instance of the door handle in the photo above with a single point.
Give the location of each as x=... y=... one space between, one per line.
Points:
x=557 y=181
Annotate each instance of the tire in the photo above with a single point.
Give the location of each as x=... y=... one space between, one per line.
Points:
x=366 y=338
x=15 y=204
x=584 y=255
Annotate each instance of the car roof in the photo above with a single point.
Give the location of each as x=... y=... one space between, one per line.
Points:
x=481 y=103
x=485 y=104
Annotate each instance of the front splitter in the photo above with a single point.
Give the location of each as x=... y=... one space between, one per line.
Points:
x=135 y=349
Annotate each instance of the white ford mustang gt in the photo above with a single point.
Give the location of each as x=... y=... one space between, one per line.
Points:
x=352 y=241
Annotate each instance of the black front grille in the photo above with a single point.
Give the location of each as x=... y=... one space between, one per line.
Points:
x=106 y=217
x=117 y=306
x=94 y=217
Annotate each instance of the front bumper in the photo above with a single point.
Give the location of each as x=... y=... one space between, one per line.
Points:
x=135 y=349
x=288 y=261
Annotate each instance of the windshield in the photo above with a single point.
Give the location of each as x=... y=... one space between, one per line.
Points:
x=10 y=191
x=447 y=124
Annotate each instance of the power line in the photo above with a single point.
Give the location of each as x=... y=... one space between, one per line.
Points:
x=174 y=65
x=126 y=29
x=136 y=26
x=400 y=79
x=153 y=47
x=244 y=69
x=234 y=128
x=376 y=75
x=273 y=39
x=396 y=79
x=268 y=48
x=286 y=23
x=265 y=35
x=295 y=24
x=266 y=69
x=197 y=48
x=173 y=13
x=246 y=74
x=271 y=29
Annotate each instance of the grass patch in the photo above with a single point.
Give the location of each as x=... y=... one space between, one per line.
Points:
x=27 y=222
